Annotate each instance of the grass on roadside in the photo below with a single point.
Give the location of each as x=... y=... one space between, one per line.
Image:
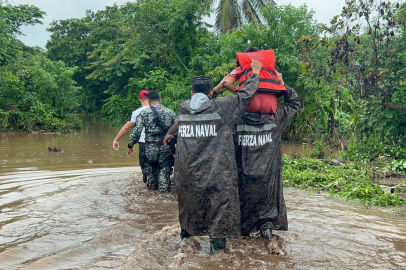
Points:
x=350 y=181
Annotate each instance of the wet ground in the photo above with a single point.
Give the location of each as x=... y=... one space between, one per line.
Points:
x=107 y=219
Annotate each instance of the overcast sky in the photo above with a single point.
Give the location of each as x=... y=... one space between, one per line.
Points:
x=64 y=9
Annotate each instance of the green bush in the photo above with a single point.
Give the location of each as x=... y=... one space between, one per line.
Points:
x=349 y=181
x=38 y=94
x=372 y=149
x=397 y=166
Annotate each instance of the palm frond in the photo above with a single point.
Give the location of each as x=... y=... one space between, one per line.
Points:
x=209 y=3
x=228 y=15
x=258 y=4
x=249 y=11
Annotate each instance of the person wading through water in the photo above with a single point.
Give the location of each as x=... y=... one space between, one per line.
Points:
x=205 y=171
x=259 y=163
x=129 y=125
x=156 y=120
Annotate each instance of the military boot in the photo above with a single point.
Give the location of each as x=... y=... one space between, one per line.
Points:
x=217 y=245
x=266 y=234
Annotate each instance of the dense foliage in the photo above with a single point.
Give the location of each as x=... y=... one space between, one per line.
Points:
x=358 y=76
x=349 y=74
x=35 y=92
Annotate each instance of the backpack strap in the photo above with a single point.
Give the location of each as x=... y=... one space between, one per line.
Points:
x=156 y=116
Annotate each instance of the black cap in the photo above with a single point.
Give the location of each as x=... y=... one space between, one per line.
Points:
x=153 y=95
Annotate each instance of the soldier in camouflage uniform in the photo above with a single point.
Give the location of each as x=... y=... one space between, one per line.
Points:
x=206 y=177
x=156 y=120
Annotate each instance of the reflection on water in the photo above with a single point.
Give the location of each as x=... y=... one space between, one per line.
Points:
x=79 y=220
x=90 y=148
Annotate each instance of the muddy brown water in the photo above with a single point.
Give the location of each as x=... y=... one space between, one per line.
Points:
x=60 y=211
x=90 y=148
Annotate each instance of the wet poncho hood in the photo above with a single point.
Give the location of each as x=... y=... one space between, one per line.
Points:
x=196 y=101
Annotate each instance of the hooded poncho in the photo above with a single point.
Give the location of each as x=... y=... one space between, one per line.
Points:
x=259 y=162
x=205 y=168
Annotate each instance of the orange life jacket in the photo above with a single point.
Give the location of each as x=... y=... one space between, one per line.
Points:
x=269 y=81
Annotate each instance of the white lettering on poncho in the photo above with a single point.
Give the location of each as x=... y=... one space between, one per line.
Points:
x=254 y=140
x=189 y=131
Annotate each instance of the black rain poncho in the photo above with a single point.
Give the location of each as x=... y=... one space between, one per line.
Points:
x=259 y=162
x=205 y=168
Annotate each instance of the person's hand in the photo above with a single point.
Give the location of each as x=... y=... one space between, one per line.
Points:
x=167 y=139
x=280 y=77
x=116 y=145
x=130 y=152
x=256 y=66
x=220 y=87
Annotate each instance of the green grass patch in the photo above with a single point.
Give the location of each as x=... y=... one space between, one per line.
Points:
x=350 y=181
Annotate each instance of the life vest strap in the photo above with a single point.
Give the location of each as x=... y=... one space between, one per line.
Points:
x=264 y=80
x=245 y=72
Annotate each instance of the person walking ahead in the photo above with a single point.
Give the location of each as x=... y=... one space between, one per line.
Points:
x=129 y=125
x=156 y=120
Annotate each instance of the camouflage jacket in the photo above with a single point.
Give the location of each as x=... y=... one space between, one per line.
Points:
x=154 y=132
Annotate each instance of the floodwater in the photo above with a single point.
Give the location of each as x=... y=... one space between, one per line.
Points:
x=107 y=219
x=60 y=211
x=90 y=148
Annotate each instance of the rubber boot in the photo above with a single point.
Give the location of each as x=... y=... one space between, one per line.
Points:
x=266 y=234
x=184 y=234
x=217 y=245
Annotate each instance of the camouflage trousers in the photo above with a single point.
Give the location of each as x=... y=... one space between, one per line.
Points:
x=142 y=157
x=157 y=167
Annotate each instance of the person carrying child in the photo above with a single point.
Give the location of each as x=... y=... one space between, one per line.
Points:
x=270 y=87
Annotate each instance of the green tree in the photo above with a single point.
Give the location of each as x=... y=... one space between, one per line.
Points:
x=159 y=40
x=73 y=40
x=38 y=93
x=35 y=92
x=359 y=64
x=11 y=19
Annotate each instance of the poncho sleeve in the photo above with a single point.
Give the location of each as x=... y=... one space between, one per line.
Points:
x=288 y=109
x=232 y=107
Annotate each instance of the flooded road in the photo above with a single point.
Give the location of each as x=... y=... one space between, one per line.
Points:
x=87 y=208
x=107 y=219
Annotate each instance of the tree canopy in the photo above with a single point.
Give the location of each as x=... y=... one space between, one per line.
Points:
x=349 y=74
